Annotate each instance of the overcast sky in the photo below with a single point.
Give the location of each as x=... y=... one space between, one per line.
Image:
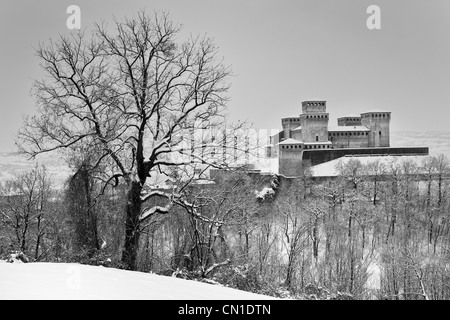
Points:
x=281 y=52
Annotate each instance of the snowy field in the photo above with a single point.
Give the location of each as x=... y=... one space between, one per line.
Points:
x=62 y=281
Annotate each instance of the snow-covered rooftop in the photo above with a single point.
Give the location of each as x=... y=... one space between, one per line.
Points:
x=290 y=141
x=351 y=115
x=267 y=165
x=313 y=99
x=347 y=128
x=376 y=111
x=273 y=135
x=329 y=169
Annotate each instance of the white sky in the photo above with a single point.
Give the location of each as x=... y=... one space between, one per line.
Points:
x=281 y=52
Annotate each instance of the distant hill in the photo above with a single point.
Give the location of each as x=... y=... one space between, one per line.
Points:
x=10 y=165
x=436 y=141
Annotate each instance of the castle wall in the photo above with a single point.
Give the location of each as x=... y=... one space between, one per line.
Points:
x=378 y=124
x=314 y=106
x=288 y=124
x=349 y=121
x=314 y=125
x=290 y=160
x=350 y=139
x=296 y=134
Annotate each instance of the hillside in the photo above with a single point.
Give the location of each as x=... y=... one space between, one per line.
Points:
x=74 y=281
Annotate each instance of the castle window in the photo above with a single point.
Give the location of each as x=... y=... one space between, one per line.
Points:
x=317 y=137
x=384 y=116
x=379 y=133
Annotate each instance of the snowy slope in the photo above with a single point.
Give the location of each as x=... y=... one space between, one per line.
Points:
x=75 y=281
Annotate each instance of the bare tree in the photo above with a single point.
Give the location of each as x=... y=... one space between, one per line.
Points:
x=134 y=94
x=24 y=209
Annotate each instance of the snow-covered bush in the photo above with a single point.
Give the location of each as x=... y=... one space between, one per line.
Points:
x=17 y=257
x=243 y=277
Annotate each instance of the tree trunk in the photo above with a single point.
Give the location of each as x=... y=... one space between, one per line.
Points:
x=38 y=240
x=91 y=218
x=315 y=239
x=132 y=232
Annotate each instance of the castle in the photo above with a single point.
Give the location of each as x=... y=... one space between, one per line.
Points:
x=307 y=139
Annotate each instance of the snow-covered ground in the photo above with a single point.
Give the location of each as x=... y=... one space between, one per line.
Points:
x=74 y=281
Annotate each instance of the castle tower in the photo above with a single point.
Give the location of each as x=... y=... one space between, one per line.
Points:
x=314 y=121
x=288 y=125
x=290 y=160
x=377 y=121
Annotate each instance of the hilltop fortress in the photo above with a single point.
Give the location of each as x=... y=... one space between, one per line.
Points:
x=309 y=140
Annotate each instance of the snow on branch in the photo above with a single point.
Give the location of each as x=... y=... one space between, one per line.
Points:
x=148 y=212
x=216 y=265
x=155 y=193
